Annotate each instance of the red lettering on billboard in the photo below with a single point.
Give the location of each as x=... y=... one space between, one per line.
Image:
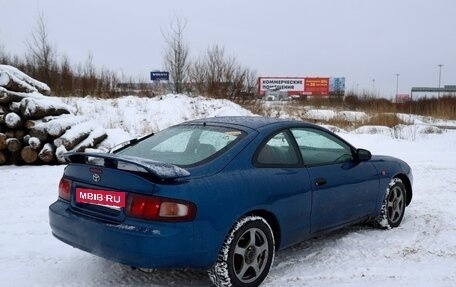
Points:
x=317 y=85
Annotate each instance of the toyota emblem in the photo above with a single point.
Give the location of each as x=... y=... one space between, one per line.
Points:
x=96 y=177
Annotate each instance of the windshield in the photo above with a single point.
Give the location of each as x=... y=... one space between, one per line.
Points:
x=183 y=145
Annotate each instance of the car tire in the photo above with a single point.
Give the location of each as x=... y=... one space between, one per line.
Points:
x=246 y=255
x=393 y=206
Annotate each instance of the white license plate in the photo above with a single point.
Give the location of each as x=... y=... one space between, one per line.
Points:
x=107 y=198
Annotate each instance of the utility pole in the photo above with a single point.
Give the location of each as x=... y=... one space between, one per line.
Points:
x=397 y=85
x=373 y=86
x=440 y=77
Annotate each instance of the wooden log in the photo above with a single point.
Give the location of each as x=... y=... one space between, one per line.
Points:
x=59 y=154
x=55 y=126
x=38 y=129
x=70 y=142
x=47 y=153
x=37 y=109
x=15 y=107
x=59 y=125
x=34 y=143
x=2 y=141
x=39 y=133
x=95 y=137
x=13 y=145
x=15 y=80
x=3 y=113
x=13 y=120
x=29 y=124
x=3 y=94
x=7 y=97
x=20 y=134
x=13 y=83
x=26 y=139
x=9 y=134
x=3 y=158
x=75 y=135
x=29 y=155
x=3 y=110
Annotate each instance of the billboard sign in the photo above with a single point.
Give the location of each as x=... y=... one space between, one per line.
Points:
x=289 y=84
x=337 y=85
x=311 y=86
x=403 y=98
x=317 y=85
x=159 y=76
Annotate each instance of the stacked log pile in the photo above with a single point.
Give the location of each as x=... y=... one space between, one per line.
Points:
x=35 y=128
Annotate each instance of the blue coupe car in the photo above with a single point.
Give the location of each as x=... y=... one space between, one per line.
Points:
x=224 y=194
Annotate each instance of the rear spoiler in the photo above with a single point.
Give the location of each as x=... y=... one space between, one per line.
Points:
x=159 y=169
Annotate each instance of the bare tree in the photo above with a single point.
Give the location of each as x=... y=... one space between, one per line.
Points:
x=250 y=84
x=3 y=56
x=198 y=75
x=41 y=54
x=176 y=54
x=220 y=71
x=217 y=75
x=66 y=77
x=89 y=77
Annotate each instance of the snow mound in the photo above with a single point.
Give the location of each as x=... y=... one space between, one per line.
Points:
x=406 y=132
x=320 y=114
x=141 y=116
x=381 y=130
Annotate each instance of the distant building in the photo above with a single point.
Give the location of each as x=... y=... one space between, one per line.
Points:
x=446 y=90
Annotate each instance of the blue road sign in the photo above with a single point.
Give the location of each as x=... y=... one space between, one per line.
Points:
x=159 y=76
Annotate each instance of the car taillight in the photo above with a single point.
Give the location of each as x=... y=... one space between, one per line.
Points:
x=159 y=208
x=65 y=189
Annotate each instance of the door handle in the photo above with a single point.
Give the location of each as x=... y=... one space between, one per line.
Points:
x=320 y=181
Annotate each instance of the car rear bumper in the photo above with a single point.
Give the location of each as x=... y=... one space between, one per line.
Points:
x=134 y=243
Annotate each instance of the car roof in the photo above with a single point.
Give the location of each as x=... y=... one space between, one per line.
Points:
x=253 y=122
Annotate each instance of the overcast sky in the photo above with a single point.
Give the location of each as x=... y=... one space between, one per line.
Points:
x=368 y=42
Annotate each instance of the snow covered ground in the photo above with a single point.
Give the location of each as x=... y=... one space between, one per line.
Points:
x=421 y=252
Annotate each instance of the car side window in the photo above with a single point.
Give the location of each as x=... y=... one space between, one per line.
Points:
x=319 y=147
x=277 y=151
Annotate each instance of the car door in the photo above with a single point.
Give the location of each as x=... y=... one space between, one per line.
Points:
x=344 y=189
x=280 y=175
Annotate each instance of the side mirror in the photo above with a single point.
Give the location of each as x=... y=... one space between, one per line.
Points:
x=363 y=154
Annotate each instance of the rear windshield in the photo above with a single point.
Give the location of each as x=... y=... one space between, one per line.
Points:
x=184 y=145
